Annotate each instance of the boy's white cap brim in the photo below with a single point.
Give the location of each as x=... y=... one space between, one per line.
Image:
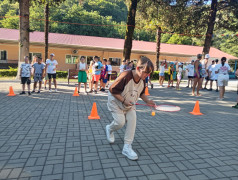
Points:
x=207 y=56
x=52 y=54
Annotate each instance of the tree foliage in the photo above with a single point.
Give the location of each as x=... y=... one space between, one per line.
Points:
x=178 y=16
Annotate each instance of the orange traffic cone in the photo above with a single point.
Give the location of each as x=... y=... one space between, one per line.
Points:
x=94 y=112
x=76 y=92
x=11 y=92
x=147 y=91
x=196 y=109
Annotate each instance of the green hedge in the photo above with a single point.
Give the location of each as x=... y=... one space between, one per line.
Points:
x=13 y=72
x=8 y=72
x=155 y=75
x=63 y=74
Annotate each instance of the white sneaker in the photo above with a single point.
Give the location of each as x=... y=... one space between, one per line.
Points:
x=56 y=90
x=110 y=135
x=50 y=90
x=128 y=152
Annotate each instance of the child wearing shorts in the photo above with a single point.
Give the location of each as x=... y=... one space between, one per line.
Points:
x=179 y=76
x=109 y=72
x=161 y=74
x=38 y=73
x=25 y=74
x=122 y=96
x=82 y=75
x=97 y=67
x=90 y=74
x=103 y=78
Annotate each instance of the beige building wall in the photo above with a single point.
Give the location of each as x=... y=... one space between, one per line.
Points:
x=61 y=52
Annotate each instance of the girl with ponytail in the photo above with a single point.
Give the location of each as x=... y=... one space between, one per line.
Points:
x=222 y=70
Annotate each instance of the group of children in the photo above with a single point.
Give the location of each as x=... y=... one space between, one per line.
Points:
x=38 y=70
x=174 y=72
x=96 y=72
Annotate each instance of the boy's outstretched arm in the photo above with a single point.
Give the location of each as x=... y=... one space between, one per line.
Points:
x=146 y=100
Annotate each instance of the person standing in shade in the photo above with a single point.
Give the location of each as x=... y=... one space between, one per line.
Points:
x=109 y=73
x=25 y=74
x=90 y=74
x=161 y=74
x=51 y=65
x=222 y=70
x=179 y=76
x=212 y=74
x=103 y=77
x=38 y=73
x=122 y=66
x=174 y=73
x=197 y=75
x=204 y=69
x=216 y=75
x=97 y=67
x=190 y=69
x=82 y=75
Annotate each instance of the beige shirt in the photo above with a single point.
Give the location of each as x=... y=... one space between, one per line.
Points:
x=128 y=88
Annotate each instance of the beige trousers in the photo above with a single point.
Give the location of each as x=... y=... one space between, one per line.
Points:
x=122 y=117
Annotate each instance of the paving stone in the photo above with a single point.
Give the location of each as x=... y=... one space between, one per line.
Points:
x=59 y=142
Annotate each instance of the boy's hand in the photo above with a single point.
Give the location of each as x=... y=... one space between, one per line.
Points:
x=128 y=103
x=150 y=102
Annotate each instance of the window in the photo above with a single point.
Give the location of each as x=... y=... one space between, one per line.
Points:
x=115 y=61
x=71 y=59
x=33 y=54
x=3 y=55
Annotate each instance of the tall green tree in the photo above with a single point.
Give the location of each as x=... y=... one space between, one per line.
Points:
x=47 y=4
x=130 y=28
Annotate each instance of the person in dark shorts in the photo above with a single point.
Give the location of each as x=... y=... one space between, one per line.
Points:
x=38 y=73
x=25 y=74
x=51 y=65
x=190 y=69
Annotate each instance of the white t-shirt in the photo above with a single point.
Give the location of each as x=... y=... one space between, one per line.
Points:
x=180 y=70
x=212 y=71
x=190 y=69
x=121 y=68
x=82 y=66
x=161 y=69
x=109 y=69
x=223 y=69
x=51 y=66
x=25 y=70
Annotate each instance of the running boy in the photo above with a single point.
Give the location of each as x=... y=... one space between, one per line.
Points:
x=122 y=96
x=38 y=73
x=25 y=74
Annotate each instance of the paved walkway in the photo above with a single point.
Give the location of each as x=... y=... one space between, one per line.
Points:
x=48 y=136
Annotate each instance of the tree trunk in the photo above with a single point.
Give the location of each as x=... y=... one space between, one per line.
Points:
x=210 y=28
x=46 y=29
x=158 y=38
x=130 y=29
x=24 y=32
